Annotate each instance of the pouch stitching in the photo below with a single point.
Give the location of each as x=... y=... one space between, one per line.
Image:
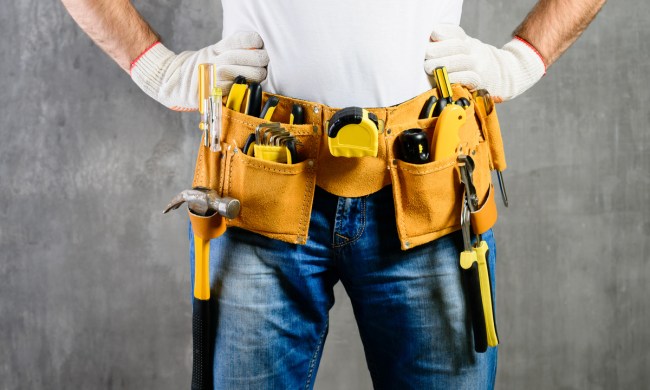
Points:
x=305 y=200
x=252 y=125
x=222 y=169
x=201 y=171
x=428 y=171
x=278 y=170
x=400 y=219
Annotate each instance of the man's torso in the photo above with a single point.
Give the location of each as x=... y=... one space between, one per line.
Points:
x=342 y=53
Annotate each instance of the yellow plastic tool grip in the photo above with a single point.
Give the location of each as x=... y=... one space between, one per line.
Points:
x=486 y=294
x=467 y=258
x=279 y=154
x=446 y=136
x=236 y=96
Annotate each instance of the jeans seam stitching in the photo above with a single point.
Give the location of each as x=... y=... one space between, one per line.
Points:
x=363 y=227
x=312 y=363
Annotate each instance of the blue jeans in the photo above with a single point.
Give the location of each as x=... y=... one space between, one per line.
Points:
x=271 y=302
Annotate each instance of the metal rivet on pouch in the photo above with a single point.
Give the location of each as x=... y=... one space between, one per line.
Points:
x=473 y=152
x=388 y=131
x=315 y=110
x=310 y=163
x=407 y=244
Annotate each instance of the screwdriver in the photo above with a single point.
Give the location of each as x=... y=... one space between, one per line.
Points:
x=444 y=88
x=215 y=112
x=210 y=107
x=204 y=93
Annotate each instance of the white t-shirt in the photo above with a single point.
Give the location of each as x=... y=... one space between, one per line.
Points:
x=367 y=53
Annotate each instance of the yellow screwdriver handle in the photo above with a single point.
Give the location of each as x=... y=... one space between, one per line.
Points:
x=444 y=86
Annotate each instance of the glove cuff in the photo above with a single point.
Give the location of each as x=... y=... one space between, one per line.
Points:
x=525 y=42
x=530 y=64
x=148 y=69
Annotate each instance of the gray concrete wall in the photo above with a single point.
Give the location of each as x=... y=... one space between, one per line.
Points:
x=94 y=281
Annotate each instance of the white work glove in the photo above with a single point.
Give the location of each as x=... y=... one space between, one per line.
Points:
x=172 y=79
x=504 y=73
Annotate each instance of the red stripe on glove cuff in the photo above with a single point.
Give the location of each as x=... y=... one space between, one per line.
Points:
x=134 y=62
x=517 y=37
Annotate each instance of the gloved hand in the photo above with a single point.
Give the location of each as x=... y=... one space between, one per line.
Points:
x=504 y=73
x=172 y=79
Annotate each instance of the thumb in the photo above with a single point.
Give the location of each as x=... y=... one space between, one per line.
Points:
x=443 y=32
x=240 y=40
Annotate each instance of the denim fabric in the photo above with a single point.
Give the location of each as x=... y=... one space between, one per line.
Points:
x=271 y=301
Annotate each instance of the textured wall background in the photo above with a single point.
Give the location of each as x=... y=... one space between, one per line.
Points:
x=94 y=281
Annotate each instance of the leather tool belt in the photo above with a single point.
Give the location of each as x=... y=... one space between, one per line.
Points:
x=276 y=198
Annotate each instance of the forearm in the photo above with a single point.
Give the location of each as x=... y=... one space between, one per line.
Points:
x=553 y=25
x=115 y=26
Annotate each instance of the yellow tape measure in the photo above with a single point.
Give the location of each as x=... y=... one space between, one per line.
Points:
x=353 y=132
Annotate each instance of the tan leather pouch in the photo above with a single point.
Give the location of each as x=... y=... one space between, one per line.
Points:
x=491 y=131
x=275 y=198
x=207 y=228
x=428 y=196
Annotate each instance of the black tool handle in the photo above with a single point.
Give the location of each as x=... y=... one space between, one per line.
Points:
x=442 y=103
x=272 y=101
x=414 y=146
x=201 y=345
x=254 y=105
x=298 y=114
x=427 y=110
x=475 y=304
x=494 y=306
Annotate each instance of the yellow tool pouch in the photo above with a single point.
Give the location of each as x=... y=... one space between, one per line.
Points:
x=276 y=198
